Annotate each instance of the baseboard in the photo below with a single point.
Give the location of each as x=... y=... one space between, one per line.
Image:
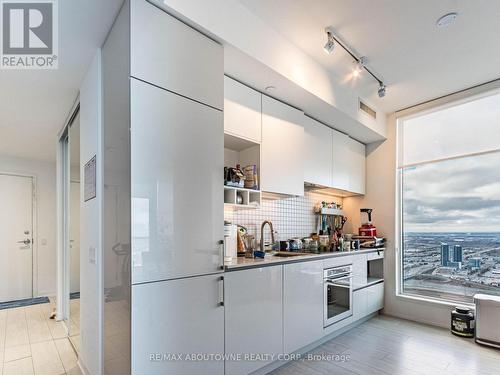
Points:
x=82 y=367
x=277 y=364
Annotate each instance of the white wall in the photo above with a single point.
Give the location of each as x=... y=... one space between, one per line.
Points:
x=90 y=224
x=45 y=173
x=381 y=196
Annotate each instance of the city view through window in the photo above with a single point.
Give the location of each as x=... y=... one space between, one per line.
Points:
x=450 y=207
x=451 y=228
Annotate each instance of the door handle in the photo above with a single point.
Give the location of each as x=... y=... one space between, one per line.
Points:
x=26 y=241
x=221 y=291
x=221 y=253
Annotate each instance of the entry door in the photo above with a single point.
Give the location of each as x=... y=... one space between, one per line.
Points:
x=16 y=238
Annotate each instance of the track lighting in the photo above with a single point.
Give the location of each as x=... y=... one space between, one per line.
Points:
x=381 y=90
x=330 y=43
x=360 y=65
x=360 y=61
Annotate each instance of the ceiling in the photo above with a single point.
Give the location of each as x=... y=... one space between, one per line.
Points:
x=417 y=60
x=34 y=104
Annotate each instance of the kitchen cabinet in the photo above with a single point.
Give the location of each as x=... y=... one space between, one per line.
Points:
x=357 y=166
x=170 y=54
x=282 y=167
x=349 y=164
x=242 y=111
x=253 y=323
x=341 y=161
x=302 y=304
x=374 y=298
x=177 y=160
x=318 y=146
x=181 y=316
x=359 y=304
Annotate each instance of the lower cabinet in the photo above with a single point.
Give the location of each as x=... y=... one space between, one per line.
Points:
x=253 y=324
x=302 y=304
x=367 y=301
x=178 y=317
x=374 y=298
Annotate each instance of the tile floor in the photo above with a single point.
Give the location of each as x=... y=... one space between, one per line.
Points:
x=387 y=346
x=33 y=344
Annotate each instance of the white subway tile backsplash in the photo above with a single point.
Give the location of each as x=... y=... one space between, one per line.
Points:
x=291 y=217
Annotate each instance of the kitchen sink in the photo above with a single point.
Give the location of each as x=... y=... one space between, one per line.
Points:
x=289 y=254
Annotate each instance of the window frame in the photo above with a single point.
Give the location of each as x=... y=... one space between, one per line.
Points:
x=440 y=104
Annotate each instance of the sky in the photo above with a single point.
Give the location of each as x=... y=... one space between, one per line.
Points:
x=459 y=195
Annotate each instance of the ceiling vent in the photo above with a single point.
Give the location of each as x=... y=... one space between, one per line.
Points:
x=368 y=110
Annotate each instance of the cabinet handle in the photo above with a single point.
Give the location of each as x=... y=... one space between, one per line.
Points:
x=222 y=245
x=221 y=291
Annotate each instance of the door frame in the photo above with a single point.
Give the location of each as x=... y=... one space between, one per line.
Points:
x=63 y=219
x=34 y=228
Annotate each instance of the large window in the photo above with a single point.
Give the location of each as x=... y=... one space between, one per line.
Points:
x=449 y=174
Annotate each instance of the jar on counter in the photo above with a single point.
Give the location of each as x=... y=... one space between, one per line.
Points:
x=462 y=322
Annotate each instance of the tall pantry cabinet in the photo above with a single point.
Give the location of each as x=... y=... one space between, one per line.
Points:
x=163 y=153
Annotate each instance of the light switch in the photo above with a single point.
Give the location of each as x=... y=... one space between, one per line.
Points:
x=92 y=255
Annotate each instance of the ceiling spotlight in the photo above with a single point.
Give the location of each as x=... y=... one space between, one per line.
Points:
x=360 y=65
x=381 y=90
x=447 y=19
x=330 y=44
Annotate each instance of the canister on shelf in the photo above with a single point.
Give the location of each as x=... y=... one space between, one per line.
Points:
x=462 y=322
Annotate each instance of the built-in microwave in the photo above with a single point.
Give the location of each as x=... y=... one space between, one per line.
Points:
x=337 y=294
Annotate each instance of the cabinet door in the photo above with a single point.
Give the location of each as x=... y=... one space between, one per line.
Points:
x=242 y=111
x=181 y=316
x=170 y=54
x=302 y=304
x=341 y=161
x=177 y=159
x=282 y=168
x=357 y=168
x=374 y=298
x=318 y=146
x=359 y=307
x=253 y=324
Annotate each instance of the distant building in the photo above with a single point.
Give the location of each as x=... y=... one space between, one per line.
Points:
x=455 y=265
x=475 y=262
x=445 y=254
x=457 y=253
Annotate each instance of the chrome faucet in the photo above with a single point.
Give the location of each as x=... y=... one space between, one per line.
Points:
x=262 y=234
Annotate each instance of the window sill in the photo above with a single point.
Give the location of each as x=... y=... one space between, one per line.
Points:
x=433 y=301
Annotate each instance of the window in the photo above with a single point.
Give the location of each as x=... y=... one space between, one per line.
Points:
x=449 y=189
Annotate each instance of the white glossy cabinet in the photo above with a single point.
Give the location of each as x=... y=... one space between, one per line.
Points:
x=181 y=316
x=302 y=304
x=357 y=166
x=368 y=300
x=349 y=164
x=177 y=160
x=318 y=146
x=242 y=111
x=253 y=323
x=172 y=55
x=341 y=161
x=374 y=298
x=282 y=169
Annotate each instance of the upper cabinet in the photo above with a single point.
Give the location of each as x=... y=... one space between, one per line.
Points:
x=172 y=55
x=242 y=111
x=357 y=166
x=318 y=162
x=282 y=167
x=341 y=161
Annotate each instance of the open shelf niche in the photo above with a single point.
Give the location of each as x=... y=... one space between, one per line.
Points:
x=244 y=152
